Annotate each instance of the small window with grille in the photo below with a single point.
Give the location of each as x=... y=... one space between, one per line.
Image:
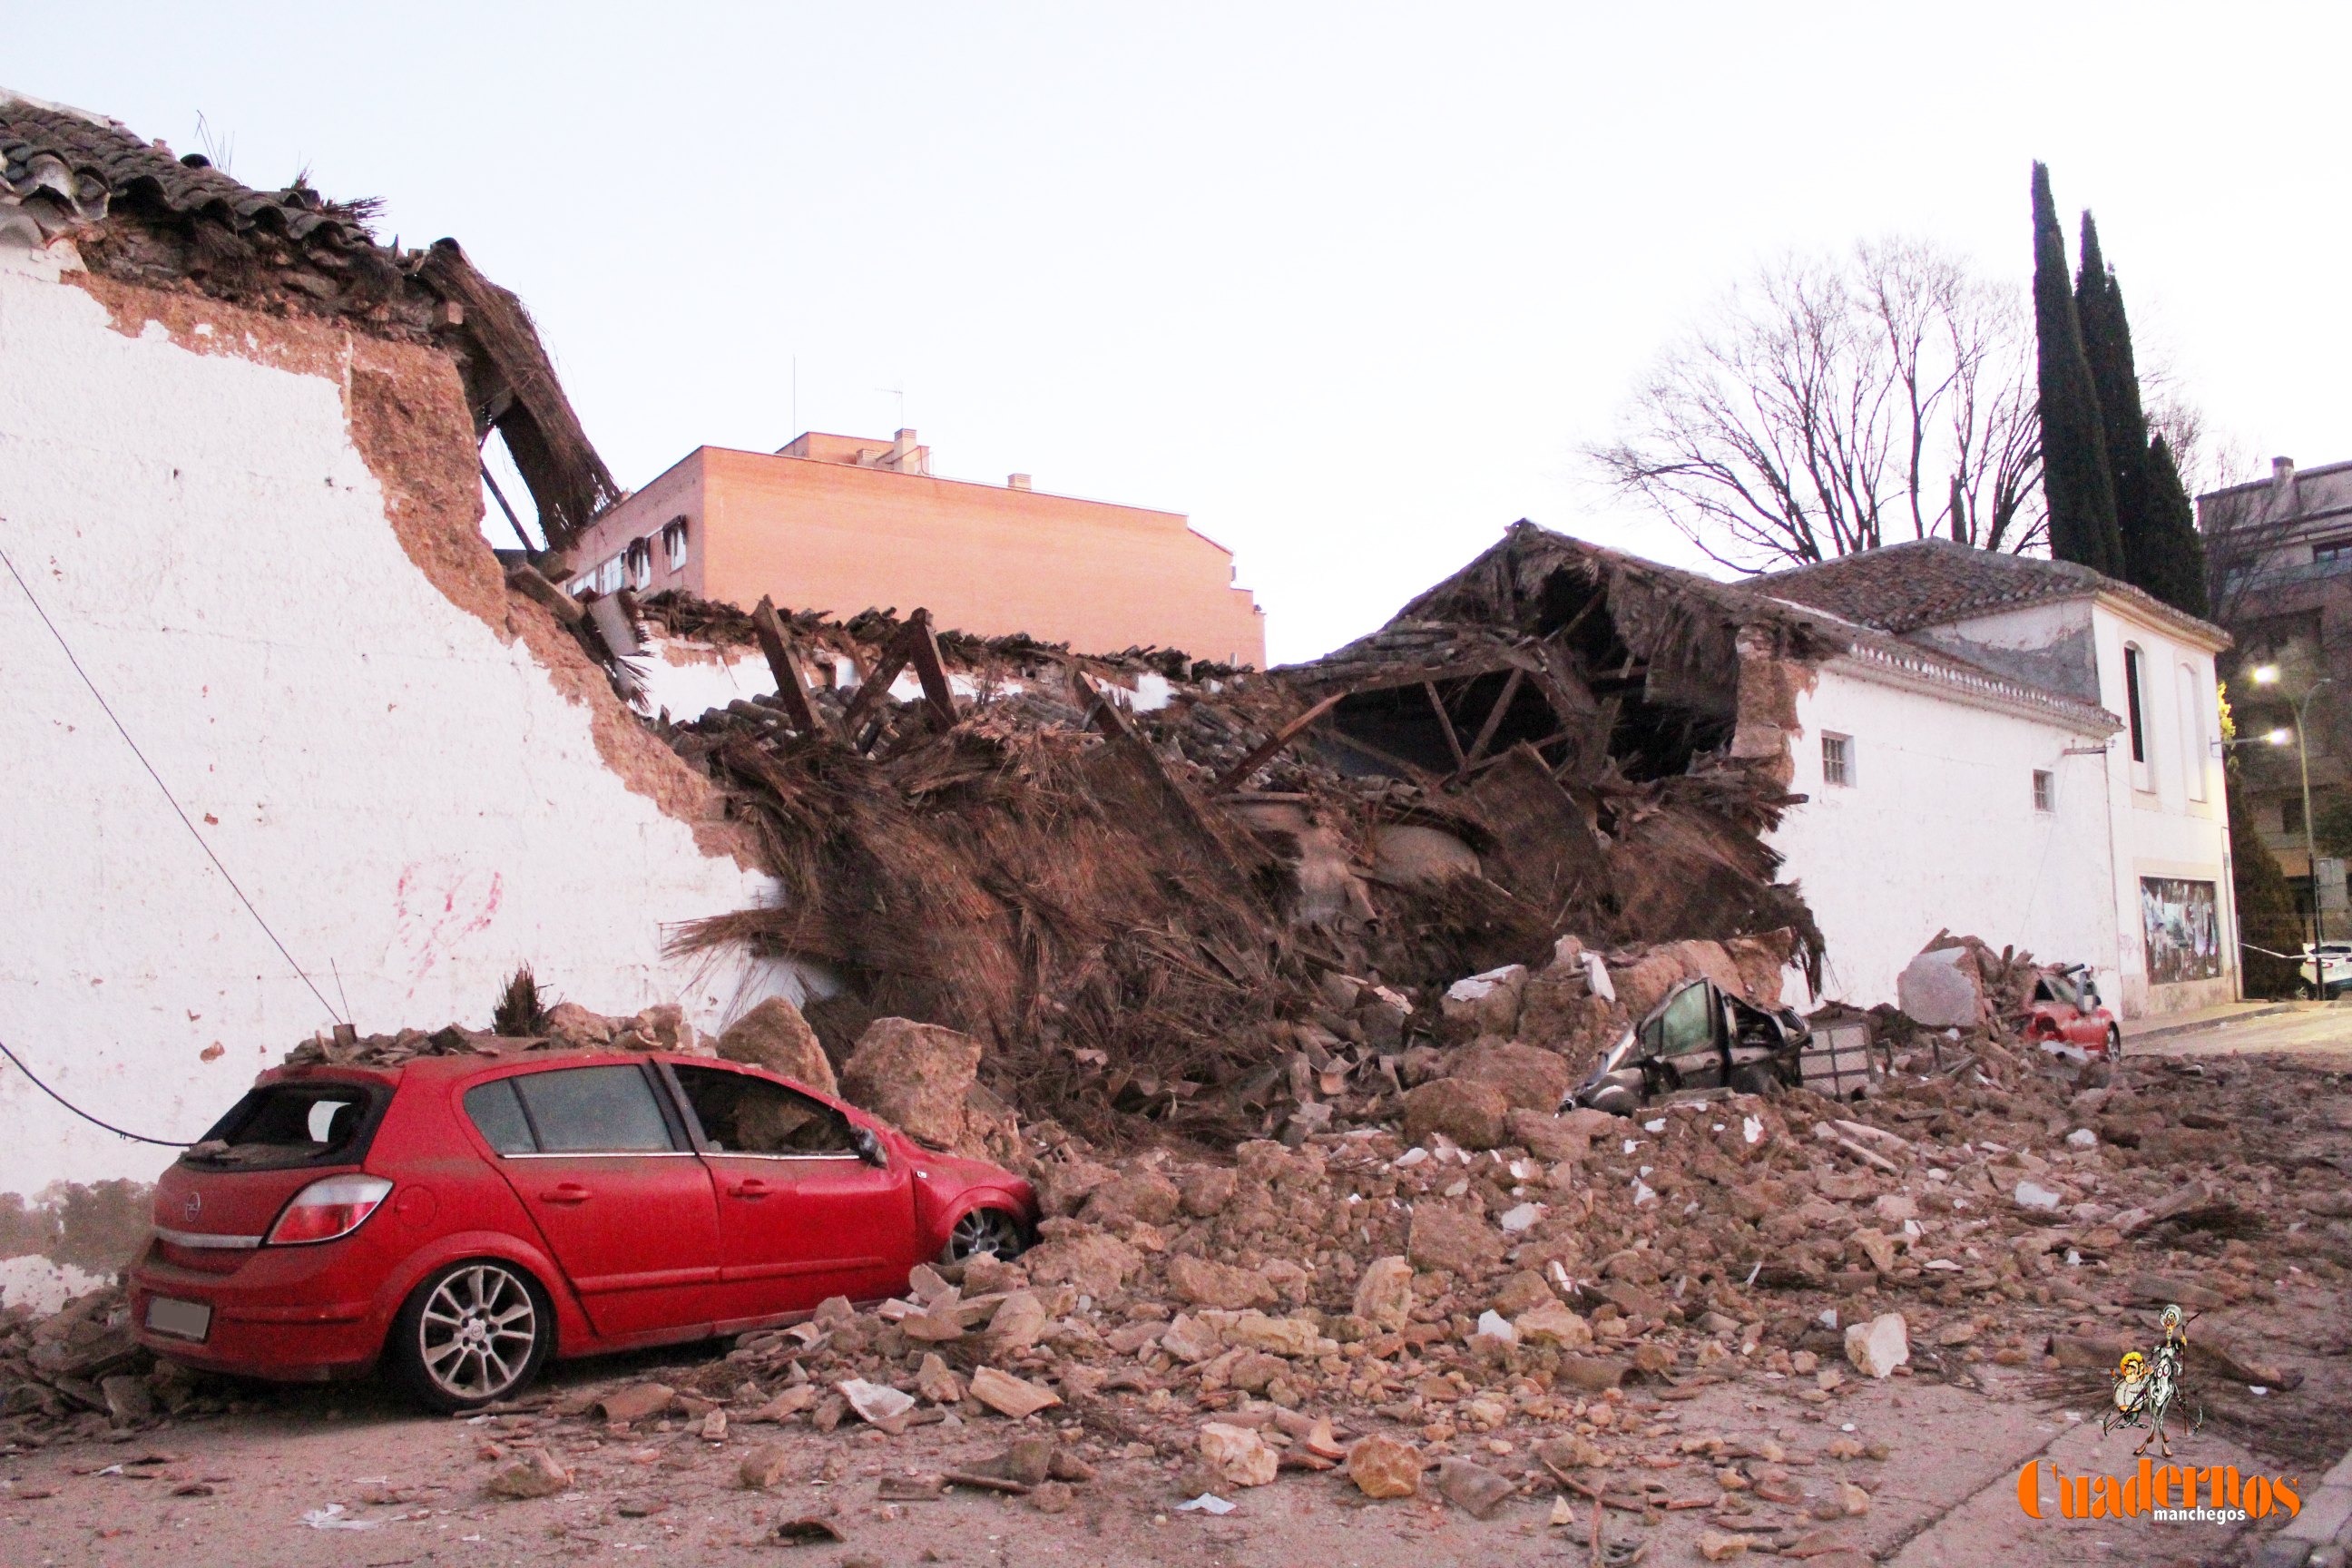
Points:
x=2045 y=790
x=1837 y=761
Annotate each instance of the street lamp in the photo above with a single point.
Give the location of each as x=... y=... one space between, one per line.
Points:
x=2268 y=675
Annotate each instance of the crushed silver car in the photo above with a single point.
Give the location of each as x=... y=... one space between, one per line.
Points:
x=1699 y=1036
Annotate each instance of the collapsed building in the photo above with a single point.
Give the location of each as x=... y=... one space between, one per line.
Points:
x=1216 y=899
x=1165 y=893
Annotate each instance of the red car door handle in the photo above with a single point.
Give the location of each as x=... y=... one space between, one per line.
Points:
x=750 y=1187
x=565 y=1192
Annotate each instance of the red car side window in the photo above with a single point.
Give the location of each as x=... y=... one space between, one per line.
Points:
x=595 y=1111
x=498 y=1116
x=745 y=1115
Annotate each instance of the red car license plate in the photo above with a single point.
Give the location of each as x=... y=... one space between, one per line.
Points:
x=180 y=1320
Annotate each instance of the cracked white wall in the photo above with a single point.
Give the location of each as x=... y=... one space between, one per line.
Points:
x=410 y=799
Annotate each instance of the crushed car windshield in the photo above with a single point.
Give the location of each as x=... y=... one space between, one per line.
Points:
x=1686 y=1025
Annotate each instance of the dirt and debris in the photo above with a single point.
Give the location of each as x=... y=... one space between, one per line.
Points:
x=1503 y=1332
x=1229 y=903
x=1277 y=1016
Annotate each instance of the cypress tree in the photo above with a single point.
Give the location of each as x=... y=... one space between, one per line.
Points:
x=2077 y=481
x=2169 y=560
x=2266 y=911
x=2114 y=379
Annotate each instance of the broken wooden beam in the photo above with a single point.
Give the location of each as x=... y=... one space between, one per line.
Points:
x=1485 y=736
x=527 y=580
x=871 y=692
x=793 y=691
x=1102 y=713
x=913 y=643
x=1234 y=777
x=923 y=652
x=1445 y=723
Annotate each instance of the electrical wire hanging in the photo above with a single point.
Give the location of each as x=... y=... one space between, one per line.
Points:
x=86 y=1116
x=107 y=709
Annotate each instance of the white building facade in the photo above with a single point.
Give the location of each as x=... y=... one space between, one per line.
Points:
x=2045 y=772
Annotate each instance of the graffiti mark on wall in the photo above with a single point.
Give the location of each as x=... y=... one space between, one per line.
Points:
x=439 y=904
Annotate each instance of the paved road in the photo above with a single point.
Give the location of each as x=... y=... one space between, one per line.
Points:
x=2316 y=1029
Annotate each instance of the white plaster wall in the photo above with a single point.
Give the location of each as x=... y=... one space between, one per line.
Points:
x=2163 y=830
x=689 y=678
x=408 y=800
x=1938 y=830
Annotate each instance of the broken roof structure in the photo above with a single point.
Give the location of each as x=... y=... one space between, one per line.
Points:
x=1135 y=905
x=138 y=214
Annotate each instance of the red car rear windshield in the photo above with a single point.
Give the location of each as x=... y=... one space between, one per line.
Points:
x=284 y=1124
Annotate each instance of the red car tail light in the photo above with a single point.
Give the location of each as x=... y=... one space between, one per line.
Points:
x=336 y=1205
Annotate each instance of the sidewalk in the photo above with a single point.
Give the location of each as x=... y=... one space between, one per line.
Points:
x=2163 y=1024
x=2326 y=1517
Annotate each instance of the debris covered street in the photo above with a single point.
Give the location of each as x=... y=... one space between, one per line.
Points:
x=777 y=1012
x=1682 y=1316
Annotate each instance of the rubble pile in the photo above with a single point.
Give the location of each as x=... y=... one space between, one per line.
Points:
x=1520 y=1302
x=1470 y=1294
x=1149 y=886
x=79 y=1371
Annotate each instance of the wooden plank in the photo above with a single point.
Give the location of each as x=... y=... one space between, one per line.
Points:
x=873 y=689
x=789 y=688
x=1445 y=722
x=500 y=496
x=1233 y=778
x=923 y=651
x=1495 y=717
x=1102 y=713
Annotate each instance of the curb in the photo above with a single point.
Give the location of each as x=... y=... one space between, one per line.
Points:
x=2166 y=1031
x=2326 y=1517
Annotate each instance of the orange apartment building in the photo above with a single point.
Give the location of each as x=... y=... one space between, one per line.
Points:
x=840 y=524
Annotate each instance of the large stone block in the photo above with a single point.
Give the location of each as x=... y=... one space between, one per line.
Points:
x=775 y=1036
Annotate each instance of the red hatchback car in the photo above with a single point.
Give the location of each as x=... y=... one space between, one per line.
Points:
x=460 y=1218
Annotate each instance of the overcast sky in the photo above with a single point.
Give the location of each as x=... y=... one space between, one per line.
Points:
x=1349 y=284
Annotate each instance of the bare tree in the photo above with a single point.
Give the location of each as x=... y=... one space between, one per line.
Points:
x=1835 y=403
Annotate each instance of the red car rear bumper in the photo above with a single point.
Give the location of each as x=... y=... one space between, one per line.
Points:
x=302 y=1313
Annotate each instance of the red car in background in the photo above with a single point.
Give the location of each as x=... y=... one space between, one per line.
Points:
x=460 y=1219
x=2066 y=1010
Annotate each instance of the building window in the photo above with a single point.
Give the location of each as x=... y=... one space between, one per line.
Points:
x=2131 y=663
x=2334 y=550
x=2193 y=760
x=2045 y=790
x=638 y=564
x=608 y=576
x=1837 y=761
x=674 y=544
x=2291 y=814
